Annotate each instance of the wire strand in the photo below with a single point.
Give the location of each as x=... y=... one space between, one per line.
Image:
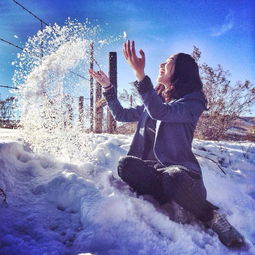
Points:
x=35 y=16
x=10 y=43
x=45 y=23
x=9 y=87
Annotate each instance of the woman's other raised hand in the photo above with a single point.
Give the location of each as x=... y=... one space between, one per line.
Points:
x=136 y=63
x=100 y=77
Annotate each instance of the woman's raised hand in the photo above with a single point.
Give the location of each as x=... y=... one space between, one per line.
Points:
x=100 y=77
x=136 y=63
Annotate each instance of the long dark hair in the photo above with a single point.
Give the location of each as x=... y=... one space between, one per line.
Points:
x=184 y=80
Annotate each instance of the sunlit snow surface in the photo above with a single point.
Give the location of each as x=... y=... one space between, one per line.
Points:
x=55 y=207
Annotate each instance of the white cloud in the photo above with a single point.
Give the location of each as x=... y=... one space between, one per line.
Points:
x=225 y=27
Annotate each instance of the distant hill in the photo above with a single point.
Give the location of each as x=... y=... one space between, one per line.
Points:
x=243 y=129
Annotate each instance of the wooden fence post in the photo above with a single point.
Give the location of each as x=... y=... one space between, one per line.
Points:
x=91 y=89
x=131 y=101
x=81 y=111
x=111 y=123
x=69 y=113
x=99 y=110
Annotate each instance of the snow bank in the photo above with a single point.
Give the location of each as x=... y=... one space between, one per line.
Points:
x=61 y=208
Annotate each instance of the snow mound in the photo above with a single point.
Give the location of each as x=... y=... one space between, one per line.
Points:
x=55 y=207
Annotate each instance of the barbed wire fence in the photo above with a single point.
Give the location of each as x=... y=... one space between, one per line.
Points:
x=7 y=106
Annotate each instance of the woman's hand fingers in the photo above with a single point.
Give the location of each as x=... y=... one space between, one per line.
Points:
x=142 y=54
x=124 y=51
x=128 y=49
x=102 y=73
x=100 y=77
x=92 y=72
x=136 y=63
x=133 y=55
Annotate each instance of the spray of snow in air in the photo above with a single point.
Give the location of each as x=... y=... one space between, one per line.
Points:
x=124 y=35
x=49 y=87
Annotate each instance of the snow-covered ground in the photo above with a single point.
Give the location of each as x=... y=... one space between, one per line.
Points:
x=55 y=207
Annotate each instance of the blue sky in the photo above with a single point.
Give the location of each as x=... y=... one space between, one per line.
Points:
x=223 y=30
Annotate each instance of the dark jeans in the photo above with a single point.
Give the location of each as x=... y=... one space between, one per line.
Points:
x=174 y=182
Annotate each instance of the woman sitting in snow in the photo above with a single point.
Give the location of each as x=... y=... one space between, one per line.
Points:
x=160 y=161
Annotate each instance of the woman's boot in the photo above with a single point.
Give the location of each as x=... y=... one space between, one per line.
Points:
x=228 y=235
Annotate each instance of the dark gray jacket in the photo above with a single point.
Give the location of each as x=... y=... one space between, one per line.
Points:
x=176 y=122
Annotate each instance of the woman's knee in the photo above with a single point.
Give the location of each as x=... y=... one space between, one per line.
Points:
x=172 y=173
x=122 y=165
x=125 y=164
x=175 y=180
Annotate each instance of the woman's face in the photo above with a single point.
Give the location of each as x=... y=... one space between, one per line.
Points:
x=166 y=70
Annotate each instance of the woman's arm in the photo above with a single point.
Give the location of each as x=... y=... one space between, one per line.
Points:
x=182 y=111
x=119 y=113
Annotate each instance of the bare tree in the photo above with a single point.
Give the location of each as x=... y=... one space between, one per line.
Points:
x=7 y=112
x=125 y=97
x=226 y=101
